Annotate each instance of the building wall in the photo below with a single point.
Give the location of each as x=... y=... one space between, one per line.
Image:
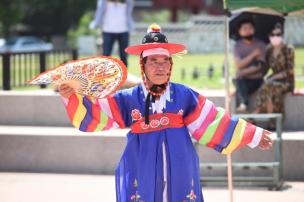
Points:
x=204 y=34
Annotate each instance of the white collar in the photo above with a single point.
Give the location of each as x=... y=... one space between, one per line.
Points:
x=160 y=104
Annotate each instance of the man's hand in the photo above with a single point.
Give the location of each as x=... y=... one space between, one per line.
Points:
x=246 y=72
x=269 y=79
x=266 y=142
x=239 y=74
x=256 y=53
x=65 y=90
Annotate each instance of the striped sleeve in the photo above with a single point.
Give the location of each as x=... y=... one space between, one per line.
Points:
x=88 y=116
x=215 y=128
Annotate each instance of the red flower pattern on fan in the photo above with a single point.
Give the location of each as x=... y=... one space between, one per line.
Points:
x=95 y=76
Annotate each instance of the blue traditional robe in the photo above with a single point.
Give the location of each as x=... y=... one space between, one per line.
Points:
x=159 y=162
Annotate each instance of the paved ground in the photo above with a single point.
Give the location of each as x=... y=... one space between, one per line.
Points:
x=17 y=187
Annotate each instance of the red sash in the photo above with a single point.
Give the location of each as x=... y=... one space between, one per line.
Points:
x=158 y=122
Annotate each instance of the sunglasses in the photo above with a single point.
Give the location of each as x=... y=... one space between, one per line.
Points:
x=278 y=34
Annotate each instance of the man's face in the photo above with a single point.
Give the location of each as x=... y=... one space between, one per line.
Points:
x=246 y=29
x=157 y=68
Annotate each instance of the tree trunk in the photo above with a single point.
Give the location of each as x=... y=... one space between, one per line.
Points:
x=174 y=14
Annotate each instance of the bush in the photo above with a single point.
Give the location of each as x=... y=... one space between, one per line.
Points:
x=81 y=30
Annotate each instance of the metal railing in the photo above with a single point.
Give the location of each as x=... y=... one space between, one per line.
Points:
x=275 y=166
x=17 y=68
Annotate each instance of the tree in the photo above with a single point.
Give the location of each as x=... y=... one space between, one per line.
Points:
x=57 y=16
x=11 y=12
x=43 y=17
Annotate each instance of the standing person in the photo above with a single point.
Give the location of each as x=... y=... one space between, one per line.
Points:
x=114 y=17
x=249 y=56
x=160 y=162
x=280 y=59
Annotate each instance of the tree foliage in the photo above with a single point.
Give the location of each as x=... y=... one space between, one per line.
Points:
x=43 y=17
x=11 y=12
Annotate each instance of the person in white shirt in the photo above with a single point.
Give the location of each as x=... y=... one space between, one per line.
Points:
x=114 y=17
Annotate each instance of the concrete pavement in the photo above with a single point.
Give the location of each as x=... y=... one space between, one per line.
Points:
x=23 y=187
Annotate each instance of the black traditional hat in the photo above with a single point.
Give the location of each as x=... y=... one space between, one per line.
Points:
x=155 y=39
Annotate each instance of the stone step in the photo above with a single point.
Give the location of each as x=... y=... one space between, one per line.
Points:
x=67 y=150
x=45 y=108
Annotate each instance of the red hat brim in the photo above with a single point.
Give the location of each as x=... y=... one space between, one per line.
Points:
x=173 y=48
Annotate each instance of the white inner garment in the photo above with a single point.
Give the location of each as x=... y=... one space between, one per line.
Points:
x=165 y=192
x=158 y=107
x=160 y=104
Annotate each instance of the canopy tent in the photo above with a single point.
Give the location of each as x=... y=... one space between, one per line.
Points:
x=274 y=7
x=282 y=6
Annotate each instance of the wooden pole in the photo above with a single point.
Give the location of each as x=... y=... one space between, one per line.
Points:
x=227 y=106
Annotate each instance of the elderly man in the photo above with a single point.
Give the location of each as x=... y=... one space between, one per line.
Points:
x=160 y=162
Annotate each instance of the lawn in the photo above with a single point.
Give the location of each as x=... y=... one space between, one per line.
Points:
x=201 y=62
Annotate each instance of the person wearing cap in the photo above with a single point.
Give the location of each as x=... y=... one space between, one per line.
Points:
x=159 y=162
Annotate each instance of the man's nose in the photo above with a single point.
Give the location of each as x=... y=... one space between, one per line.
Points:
x=161 y=64
x=161 y=67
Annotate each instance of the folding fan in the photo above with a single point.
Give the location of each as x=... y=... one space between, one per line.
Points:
x=95 y=76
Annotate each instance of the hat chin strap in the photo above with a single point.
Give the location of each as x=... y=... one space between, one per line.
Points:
x=155 y=91
x=148 y=100
x=146 y=78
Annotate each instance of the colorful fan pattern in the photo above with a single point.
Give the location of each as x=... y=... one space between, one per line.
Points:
x=95 y=77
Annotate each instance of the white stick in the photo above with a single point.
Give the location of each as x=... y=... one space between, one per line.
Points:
x=227 y=106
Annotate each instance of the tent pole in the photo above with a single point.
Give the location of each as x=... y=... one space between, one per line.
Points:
x=227 y=105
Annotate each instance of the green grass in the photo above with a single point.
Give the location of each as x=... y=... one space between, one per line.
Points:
x=203 y=61
x=191 y=61
x=25 y=67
